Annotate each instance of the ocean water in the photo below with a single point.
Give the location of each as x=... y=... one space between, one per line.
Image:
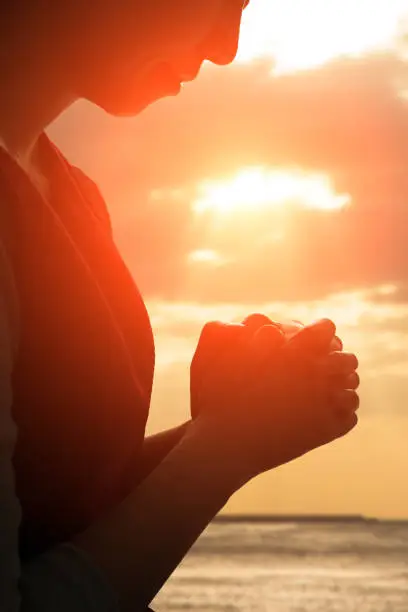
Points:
x=293 y=567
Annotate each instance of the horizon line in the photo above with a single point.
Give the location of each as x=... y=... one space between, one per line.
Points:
x=262 y=517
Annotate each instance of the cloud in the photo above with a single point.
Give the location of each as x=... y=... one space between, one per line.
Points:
x=345 y=119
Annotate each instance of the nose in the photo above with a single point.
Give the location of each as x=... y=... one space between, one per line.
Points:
x=221 y=45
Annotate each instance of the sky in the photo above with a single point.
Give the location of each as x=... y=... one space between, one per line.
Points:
x=278 y=184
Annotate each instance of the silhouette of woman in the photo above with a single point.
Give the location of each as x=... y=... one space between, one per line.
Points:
x=93 y=514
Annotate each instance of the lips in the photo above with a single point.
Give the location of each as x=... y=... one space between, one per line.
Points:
x=188 y=71
x=189 y=74
x=166 y=77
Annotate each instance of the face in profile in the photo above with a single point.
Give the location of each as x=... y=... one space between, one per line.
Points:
x=129 y=53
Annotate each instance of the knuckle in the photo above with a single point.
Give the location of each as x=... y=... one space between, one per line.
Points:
x=352 y=382
x=210 y=326
x=256 y=320
x=343 y=361
x=346 y=425
x=208 y=333
x=329 y=325
x=351 y=360
x=269 y=331
x=338 y=343
x=352 y=398
x=211 y=331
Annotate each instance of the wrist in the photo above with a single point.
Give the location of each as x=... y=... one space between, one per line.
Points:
x=220 y=451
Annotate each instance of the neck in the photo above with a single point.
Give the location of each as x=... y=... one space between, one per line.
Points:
x=32 y=94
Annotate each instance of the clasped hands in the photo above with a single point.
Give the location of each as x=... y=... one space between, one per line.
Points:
x=273 y=392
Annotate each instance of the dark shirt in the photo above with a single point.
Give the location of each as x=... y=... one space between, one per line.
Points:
x=83 y=370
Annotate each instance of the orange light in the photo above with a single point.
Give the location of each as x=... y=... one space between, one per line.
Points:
x=258 y=188
x=301 y=34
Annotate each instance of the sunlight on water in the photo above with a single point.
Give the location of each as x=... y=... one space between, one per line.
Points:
x=334 y=567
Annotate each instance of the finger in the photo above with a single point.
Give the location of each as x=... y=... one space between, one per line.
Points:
x=339 y=364
x=266 y=341
x=256 y=320
x=349 y=381
x=336 y=344
x=290 y=328
x=345 y=424
x=315 y=337
x=345 y=401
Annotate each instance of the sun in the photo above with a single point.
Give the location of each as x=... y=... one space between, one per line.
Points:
x=256 y=188
x=302 y=34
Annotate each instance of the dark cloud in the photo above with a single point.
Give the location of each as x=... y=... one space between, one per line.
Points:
x=345 y=119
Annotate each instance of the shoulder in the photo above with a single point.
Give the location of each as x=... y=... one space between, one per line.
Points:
x=90 y=190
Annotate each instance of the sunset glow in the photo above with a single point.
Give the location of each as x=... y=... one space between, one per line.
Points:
x=273 y=185
x=256 y=188
x=206 y=256
x=300 y=35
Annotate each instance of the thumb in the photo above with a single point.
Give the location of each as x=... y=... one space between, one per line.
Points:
x=266 y=341
x=216 y=341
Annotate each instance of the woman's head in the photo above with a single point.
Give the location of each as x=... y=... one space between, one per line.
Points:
x=125 y=54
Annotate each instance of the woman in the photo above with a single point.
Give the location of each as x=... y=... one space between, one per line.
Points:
x=93 y=515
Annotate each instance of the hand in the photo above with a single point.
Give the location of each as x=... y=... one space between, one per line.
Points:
x=256 y=320
x=341 y=366
x=267 y=417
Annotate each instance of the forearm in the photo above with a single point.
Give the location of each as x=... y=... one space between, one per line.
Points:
x=156 y=447
x=48 y=581
x=142 y=541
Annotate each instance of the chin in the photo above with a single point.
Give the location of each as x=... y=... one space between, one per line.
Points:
x=125 y=103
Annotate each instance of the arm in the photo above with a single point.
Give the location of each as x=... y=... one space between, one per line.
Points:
x=142 y=541
x=156 y=447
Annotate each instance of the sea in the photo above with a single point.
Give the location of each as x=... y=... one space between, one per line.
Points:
x=293 y=566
